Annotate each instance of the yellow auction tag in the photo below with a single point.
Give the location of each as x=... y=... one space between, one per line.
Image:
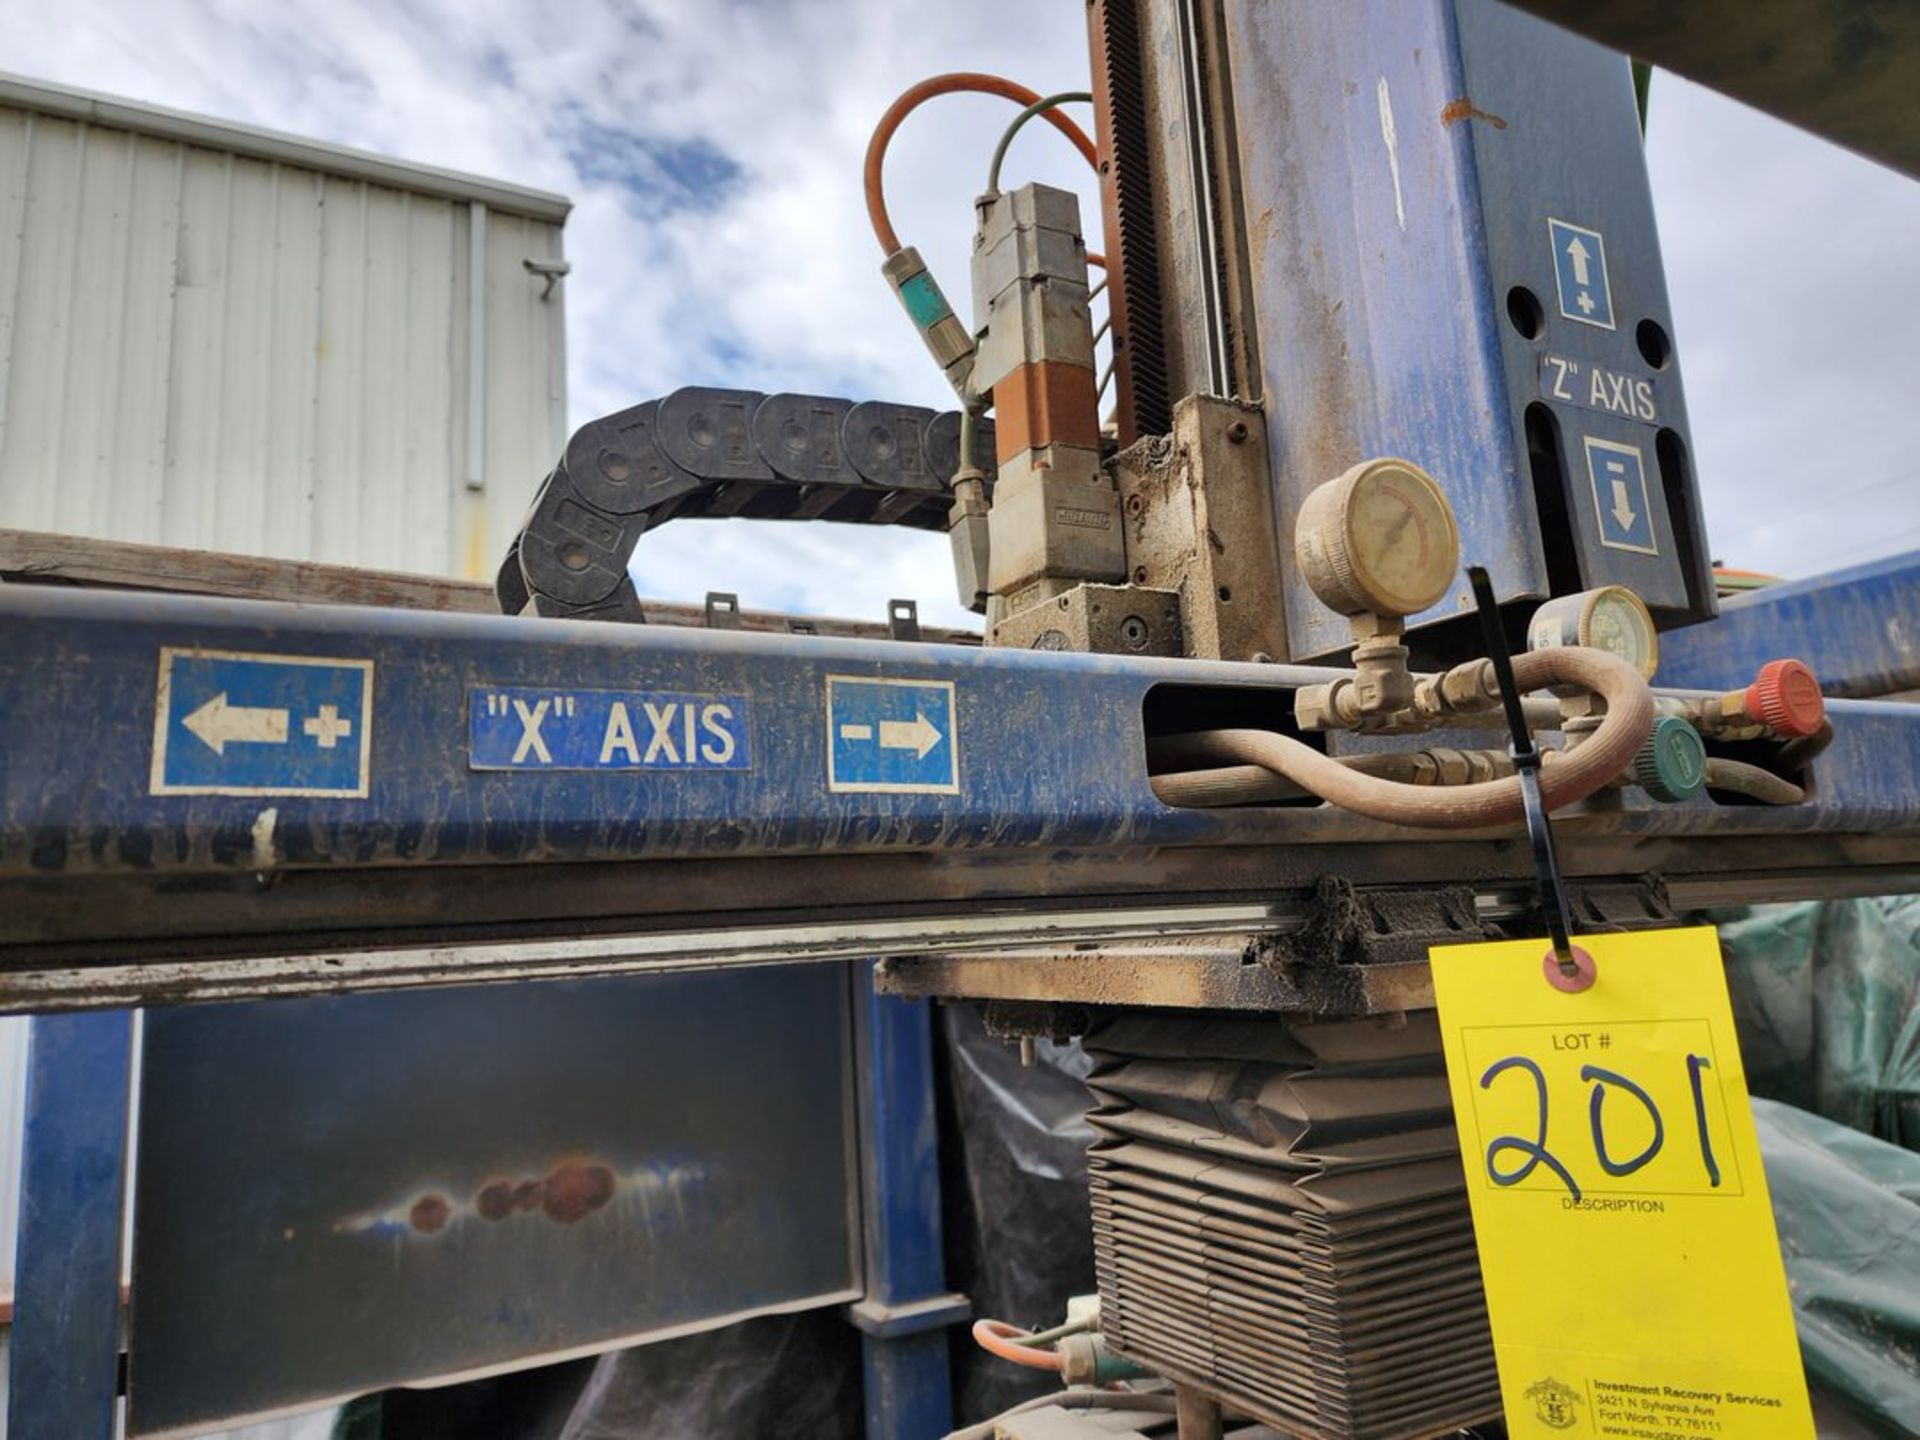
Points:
x=1634 y=1279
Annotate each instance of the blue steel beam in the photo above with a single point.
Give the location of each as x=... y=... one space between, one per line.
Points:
x=65 y=1350
x=418 y=838
x=1032 y=750
x=907 y=1307
x=1858 y=628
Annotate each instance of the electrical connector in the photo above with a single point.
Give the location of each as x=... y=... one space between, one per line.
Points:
x=920 y=295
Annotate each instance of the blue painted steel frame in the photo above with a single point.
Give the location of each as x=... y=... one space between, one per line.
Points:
x=65 y=1350
x=1052 y=756
x=1400 y=162
x=907 y=1307
x=1052 y=750
x=1858 y=628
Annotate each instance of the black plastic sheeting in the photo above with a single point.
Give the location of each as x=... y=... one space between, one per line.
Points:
x=1013 y=1177
x=777 y=1375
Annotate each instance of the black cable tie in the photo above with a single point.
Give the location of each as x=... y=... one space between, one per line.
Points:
x=1551 y=891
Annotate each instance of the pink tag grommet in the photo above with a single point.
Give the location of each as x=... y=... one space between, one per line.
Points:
x=1583 y=972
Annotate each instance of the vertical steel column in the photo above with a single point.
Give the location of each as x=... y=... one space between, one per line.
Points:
x=907 y=1308
x=66 y=1325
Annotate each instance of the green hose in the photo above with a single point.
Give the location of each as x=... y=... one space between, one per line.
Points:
x=1038 y=107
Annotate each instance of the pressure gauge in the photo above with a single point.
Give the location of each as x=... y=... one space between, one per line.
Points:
x=1379 y=540
x=1612 y=618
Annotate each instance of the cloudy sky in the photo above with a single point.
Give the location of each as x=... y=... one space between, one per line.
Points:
x=713 y=152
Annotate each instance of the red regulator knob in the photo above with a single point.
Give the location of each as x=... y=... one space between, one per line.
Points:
x=1785 y=697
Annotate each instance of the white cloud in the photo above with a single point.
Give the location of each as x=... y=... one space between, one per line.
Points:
x=776 y=286
x=1792 y=267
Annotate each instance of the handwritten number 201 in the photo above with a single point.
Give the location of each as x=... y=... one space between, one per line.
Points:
x=1535 y=1150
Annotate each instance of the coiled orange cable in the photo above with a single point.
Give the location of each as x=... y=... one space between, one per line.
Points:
x=960 y=82
x=997 y=1337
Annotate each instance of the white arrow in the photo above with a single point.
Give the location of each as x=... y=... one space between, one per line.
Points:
x=1579 y=254
x=917 y=735
x=1622 y=506
x=219 y=724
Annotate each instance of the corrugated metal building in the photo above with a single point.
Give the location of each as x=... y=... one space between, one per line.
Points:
x=220 y=337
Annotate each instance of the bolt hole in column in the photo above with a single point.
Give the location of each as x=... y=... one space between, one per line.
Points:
x=1550 y=500
x=1683 y=505
x=1526 y=313
x=1655 y=348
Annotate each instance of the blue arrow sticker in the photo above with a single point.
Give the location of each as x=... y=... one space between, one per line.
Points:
x=1580 y=272
x=235 y=723
x=1619 y=476
x=892 y=737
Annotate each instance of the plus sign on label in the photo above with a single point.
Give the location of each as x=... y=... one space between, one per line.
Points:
x=1619 y=476
x=237 y=723
x=1580 y=273
x=892 y=737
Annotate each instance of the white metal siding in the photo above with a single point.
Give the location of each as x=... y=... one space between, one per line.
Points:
x=230 y=349
x=217 y=350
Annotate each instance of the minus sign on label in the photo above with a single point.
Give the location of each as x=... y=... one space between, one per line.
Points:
x=856 y=732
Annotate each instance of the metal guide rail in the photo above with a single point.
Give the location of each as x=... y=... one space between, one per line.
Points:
x=212 y=798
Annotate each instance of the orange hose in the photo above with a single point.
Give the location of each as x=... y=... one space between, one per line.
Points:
x=960 y=82
x=996 y=1337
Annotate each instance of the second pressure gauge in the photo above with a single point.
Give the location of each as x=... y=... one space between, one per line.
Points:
x=1612 y=618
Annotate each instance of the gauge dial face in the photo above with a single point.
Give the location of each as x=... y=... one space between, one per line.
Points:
x=1401 y=539
x=1618 y=623
x=1612 y=618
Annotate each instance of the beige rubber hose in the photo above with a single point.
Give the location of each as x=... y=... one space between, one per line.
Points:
x=1571 y=776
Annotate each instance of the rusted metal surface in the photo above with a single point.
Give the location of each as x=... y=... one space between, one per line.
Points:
x=1206 y=973
x=341 y=1195
x=1334 y=952
x=1198 y=513
x=566 y=1194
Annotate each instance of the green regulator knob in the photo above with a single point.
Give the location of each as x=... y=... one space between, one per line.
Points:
x=1672 y=764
